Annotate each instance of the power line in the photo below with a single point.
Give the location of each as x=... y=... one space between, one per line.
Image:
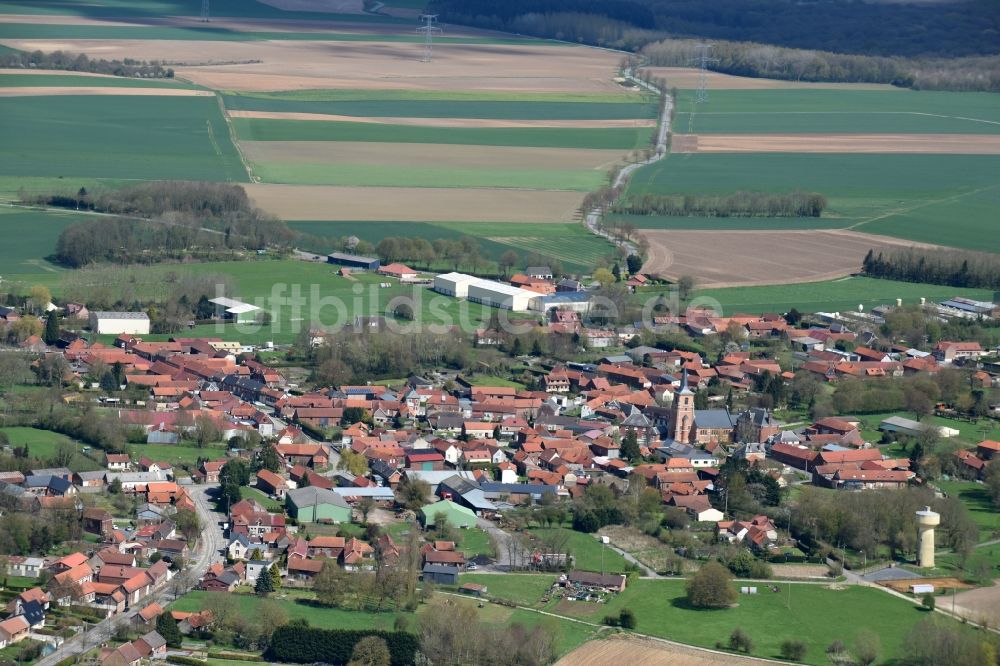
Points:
x=701 y=93
x=429 y=30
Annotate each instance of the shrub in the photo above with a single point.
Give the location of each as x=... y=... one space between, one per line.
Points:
x=739 y=641
x=928 y=601
x=185 y=661
x=793 y=650
x=711 y=587
x=626 y=619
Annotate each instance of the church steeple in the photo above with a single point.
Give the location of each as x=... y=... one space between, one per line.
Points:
x=683 y=416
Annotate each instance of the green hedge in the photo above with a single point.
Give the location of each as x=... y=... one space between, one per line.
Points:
x=187 y=661
x=306 y=645
x=235 y=656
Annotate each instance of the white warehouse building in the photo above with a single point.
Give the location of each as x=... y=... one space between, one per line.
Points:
x=499 y=295
x=116 y=323
x=454 y=284
x=487 y=292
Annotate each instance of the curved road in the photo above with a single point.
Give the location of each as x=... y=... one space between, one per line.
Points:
x=594 y=216
x=206 y=552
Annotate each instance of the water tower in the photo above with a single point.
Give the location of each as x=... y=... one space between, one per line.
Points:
x=927 y=520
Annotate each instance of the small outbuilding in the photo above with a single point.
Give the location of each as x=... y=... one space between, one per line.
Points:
x=440 y=574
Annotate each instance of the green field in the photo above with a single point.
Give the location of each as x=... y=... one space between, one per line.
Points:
x=262 y=498
x=382 y=106
x=522 y=589
x=389 y=175
x=49 y=80
x=841 y=111
x=728 y=223
x=42 y=444
x=817 y=616
x=844 y=294
x=570 y=243
x=946 y=199
x=478 y=97
x=36 y=233
x=261 y=129
x=101 y=136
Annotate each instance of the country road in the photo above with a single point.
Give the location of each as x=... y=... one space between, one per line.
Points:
x=593 y=217
x=206 y=552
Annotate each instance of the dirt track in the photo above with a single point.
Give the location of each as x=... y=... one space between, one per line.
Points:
x=687 y=78
x=445 y=122
x=747 y=258
x=632 y=651
x=419 y=204
x=957 y=144
x=423 y=154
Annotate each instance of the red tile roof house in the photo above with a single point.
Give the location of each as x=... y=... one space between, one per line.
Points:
x=399 y=271
x=271 y=483
x=951 y=351
x=13 y=630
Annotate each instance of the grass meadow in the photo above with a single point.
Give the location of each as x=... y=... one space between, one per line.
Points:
x=570 y=243
x=103 y=136
x=161 y=8
x=267 y=129
x=43 y=444
x=844 y=294
x=788 y=111
x=814 y=614
x=36 y=233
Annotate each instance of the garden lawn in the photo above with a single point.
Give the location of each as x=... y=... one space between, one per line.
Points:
x=177 y=454
x=127 y=137
x=818 y=616
x=841 y=111
x=829 y=296
x=490 y=380
x=587 y=551
x=262 y=498
x=522 y=589
x=266 y=129
x=473 y=542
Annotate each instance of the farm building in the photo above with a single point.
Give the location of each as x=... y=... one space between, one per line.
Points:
x=904 y=426
x=455 y=514
x=316 y=505
x=499 y=295
x=574 y=301
x=116 y=323
x=233 y=310
x=399 y=271
x=440 y=574
x=454 y=284
x=353 y=261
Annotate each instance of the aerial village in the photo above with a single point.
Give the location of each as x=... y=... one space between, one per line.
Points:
x=356 y=477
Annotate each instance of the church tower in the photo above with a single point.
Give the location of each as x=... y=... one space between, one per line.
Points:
x=683 y=412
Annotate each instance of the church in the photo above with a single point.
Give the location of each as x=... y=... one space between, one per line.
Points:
x=698 y=427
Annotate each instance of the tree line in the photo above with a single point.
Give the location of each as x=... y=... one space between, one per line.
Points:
x=739 y=204
x=79 y=62
x=177 y=220
x=775 y=62
x=955 y=268
x=942 y=46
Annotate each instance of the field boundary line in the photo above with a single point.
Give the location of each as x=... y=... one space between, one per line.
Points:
x=233 y=138
x=923 y=204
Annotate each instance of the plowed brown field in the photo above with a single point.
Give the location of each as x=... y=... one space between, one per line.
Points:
x=634 y=651
x=955 y=144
